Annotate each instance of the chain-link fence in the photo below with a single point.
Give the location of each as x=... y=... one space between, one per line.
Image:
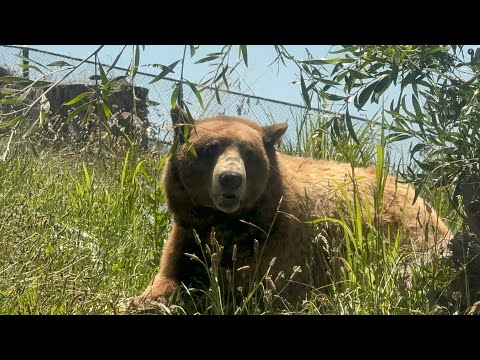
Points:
x=262 y=110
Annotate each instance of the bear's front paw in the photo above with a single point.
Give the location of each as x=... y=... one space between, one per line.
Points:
x=153 y=298
x=148 y=304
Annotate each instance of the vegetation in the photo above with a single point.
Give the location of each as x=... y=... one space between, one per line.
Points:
x=82 y=231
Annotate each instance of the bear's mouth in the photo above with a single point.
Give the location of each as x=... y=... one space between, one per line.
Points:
x=228 y=203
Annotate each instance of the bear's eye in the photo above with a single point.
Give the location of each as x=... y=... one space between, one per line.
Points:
x=209 y=150
x=249 y=153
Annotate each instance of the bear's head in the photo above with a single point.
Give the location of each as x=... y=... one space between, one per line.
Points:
x=231 y=163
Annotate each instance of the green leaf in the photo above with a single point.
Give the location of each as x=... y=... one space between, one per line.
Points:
x=336 y=127
x=88 y=179
x=398 y=137
x=23 y=96
x=404 y=107
x=436 y=49
x=78 y=98
x=416 y=106
x=345 y=49
x=106 y=110
x=138 y=168
x=425 y=166
x=350 y=128
x=152 y=103
x=190 y=146
x=174 y=97
x=44 y=109
x=29 y=60
x=221 y=75
x=225 y=81
x=207 y=58
x=59 y=63
x=193 y=50
x=197 y=94
x=328 y=82
x=417 y=193
x=42 y=117
x=217 y=95
x=15 y=79
x=365 y=95
x=33 y=67
x=30 y=129
x=327 y=61
x=137 y=60
x=103 y=76
x=243 y=51
x=380 y=88
x=417 y=148
x=11 y=122
x=166 y=70
x=218 y=54
x=40 y=84
x=116 y=59
x=332 y=97
x=305 y=95
x=77 y=110
x=124 y=169
x=8 y=91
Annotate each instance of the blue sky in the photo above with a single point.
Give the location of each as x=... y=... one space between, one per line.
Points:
x=258 y=78
x=261 y=79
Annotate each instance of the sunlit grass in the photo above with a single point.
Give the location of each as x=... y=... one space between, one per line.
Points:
x=83 y=234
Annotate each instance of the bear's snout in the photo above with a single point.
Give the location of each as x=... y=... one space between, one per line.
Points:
x=230 y=180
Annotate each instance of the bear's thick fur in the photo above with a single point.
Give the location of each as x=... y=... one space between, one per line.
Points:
x=240 y=186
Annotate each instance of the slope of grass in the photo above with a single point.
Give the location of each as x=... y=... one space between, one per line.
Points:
x=77 y=237
x=82 y=235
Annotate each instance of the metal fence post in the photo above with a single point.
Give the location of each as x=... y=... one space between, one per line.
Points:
x=25 y=53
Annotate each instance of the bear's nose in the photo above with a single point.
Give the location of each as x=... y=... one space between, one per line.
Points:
x=230 y=180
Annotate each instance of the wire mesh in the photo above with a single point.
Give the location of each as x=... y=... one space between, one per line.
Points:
x=264 y=111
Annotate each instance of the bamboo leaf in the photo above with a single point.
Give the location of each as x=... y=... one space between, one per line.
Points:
x=221 y=75
x=305 y=95
x=380 y=88
x=416 y=106
x=59 y=63
x=135 y=62
x=103 y=76
x=174 y=98
x=77 y=111
x=243 y=51
x=207 y=58
x=116 y=59
x=166 y=70
x=78 y=98
x=197 y=94
x=106 y=110
x=328 y=61
x=33 y=67
x=15 y=79
x=29 y=60
x=365 y=95
x=217 y=96
x=193 y=50
x=350 y=128
x=11 y=122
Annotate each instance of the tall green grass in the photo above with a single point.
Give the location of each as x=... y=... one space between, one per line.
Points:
x=78 y=237
x=83 y=234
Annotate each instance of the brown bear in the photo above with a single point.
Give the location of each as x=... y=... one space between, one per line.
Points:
x=257 y=203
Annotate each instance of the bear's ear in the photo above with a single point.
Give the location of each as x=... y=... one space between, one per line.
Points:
x=272 y=133
x=182 y=123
